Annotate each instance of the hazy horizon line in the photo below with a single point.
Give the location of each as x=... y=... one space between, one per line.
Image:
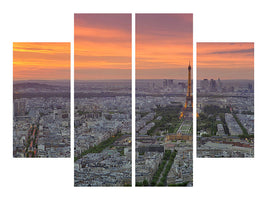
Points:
x=41 y=80
x=124 y=79
x=226 y=79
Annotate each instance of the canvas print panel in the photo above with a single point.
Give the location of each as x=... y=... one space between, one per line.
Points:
x=41 y=99
x=102 y=62
x=225 y=100
x=164 y=100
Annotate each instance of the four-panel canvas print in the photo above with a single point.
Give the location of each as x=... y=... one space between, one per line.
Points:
x=163 y=100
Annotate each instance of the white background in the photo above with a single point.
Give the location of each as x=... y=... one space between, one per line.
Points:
x=52 y=21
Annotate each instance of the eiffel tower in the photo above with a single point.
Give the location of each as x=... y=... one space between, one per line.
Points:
x=188 y=107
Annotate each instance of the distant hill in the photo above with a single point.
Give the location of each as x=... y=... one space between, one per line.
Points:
x=39 y=86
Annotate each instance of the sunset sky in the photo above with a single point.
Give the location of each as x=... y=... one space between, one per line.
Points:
x=164 y=45
x=102 y=46
x=225 y=61
x=41 y=61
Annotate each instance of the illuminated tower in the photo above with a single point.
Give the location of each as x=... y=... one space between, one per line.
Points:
x=189 y=97
x=188 y=107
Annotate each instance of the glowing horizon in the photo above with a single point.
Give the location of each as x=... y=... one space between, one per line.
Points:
x=227 y=61
x=41 y=61
x=102 y=46
x=164 y=45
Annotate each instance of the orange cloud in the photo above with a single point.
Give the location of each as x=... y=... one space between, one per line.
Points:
x=100 y=44
x=225 y=60
x=163 y=56
x=164 y=45
x=41 y=61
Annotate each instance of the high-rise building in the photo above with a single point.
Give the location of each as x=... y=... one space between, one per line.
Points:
x=219 y=84
x=167 y=83
x=182 y=86
x=205 y=84
x=170 y=83
x=213 y=87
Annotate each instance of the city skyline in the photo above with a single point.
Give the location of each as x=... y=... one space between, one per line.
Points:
x=102 y=47
x=41 y=61
x=164 y=45
x=226 y=61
